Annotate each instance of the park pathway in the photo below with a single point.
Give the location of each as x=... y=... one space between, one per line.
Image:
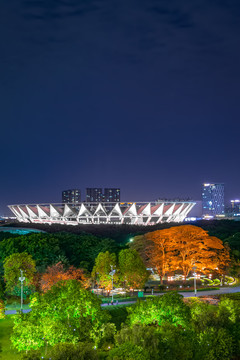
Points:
x=223 y=290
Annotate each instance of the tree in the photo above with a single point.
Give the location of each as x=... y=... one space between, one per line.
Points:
x=192 y=246
x=56 y=273
x=12 y=266
x=168 y=308
x=66 y=313
x=183 y=247
x=132 y=269
x=160 y=252
x=140 y=243
x=102 y=269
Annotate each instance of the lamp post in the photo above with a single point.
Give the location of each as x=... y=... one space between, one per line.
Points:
x=97 y=283
x=22 y=278
x=195 y=277
x=112 y=274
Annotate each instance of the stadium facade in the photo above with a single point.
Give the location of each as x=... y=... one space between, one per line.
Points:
x=134 y=213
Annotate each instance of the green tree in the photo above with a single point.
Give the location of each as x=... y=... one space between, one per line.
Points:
x=66 y=313
x=102 y=269
x=132 y=269
x=12 y=266
x=168 y=308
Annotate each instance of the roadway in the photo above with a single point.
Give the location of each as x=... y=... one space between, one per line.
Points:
x=223 y=290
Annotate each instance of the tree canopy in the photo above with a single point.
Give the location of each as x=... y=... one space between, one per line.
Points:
x=66 y=313
x=56 y=273
x=182 y=248
x=104 y=263
x=159 y=310
x=12 y=266
x=132 y=269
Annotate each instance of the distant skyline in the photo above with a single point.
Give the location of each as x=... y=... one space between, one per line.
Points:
x=142 y=95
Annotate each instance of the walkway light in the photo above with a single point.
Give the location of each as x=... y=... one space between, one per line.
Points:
x=21 y=278
x=112 y=272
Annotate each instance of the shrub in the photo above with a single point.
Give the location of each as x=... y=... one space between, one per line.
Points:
x=128 y=351
x=162 y=287
x=118 y=314
x=31 y=355
x=66 y=351
x=160 y=309
x=2 y=309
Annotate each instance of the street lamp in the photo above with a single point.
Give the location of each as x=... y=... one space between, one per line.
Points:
x=112 y=274
x=97 y=282
x=22 y=278
x=195 y=277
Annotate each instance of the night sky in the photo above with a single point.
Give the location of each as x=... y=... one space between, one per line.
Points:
x=137 y=94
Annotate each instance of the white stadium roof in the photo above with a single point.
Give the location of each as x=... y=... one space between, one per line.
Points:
x=135 y=213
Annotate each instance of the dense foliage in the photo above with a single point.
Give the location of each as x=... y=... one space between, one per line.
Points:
x=47 y=249
x=66 y=313
x=161 y=328
x=12 y=266
x=132 y=270
x=104 y=264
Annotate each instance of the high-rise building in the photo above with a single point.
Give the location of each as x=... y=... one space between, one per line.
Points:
x=72 y=196
x=94 y=195
x=112 y=195
x=235 y=208
x=97 y=195
x=213 y=199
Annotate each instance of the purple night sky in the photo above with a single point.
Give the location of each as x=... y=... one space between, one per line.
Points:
x=137 y=94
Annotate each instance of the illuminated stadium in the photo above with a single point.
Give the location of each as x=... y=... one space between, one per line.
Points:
x=134 y=213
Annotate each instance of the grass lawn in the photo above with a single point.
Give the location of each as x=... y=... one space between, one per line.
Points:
x=7 y=353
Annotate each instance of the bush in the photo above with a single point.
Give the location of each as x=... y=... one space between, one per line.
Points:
x=2 y=309
x=207 y=281
x=31 y=355
x=118 y=314
x=233 y=296
x=217 y=344
x=128 y=351
x=66 y=351
x=162 y=287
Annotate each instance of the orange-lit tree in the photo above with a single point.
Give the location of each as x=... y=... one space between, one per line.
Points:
x=159 y=251
x=193 y=247
x=223 y=260
x=184 y=247
x=56 y=273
